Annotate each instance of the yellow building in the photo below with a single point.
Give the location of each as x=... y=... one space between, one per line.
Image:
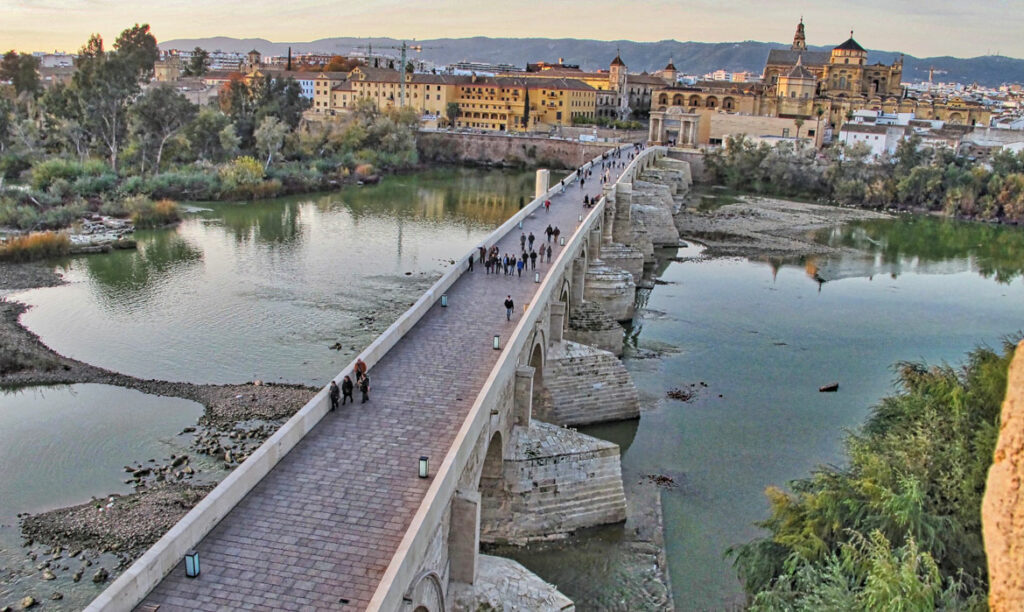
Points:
x=486 y=103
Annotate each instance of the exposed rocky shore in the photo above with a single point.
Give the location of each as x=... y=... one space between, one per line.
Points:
x=756 y=226
x=93 y=540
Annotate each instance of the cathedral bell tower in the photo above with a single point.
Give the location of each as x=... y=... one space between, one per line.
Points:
x=799 y=40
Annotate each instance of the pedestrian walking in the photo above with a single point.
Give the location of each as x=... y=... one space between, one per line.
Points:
x=533 y=260
x=522 y=241
x=549 y=231
x=335 y=393
x=556 y=233
x=547 y=206
x=519 y=268
x=470 y=263
x=346 y=390
x=360 y=370
x=549 y=253
x=364 y=388
x=530 y=239
x=483 y=252
x=509 y=305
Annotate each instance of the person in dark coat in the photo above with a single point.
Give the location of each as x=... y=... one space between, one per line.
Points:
x=509 y=305
x=346 y=390
x=364 y=388
x=335 y=393
x=533 y=260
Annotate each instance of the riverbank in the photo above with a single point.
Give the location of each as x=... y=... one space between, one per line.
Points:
x=108 y=533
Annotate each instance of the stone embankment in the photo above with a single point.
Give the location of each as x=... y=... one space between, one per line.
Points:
x=505 y=150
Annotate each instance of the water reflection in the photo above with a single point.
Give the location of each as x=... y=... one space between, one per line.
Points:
x=261 y=289
x=132 y=274
x=921 y=244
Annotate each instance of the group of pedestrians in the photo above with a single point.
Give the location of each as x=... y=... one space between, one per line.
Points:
x=344 y=392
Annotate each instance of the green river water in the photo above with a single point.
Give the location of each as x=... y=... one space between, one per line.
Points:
x=261 y=290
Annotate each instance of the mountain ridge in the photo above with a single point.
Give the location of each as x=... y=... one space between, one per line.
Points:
x=689 y=57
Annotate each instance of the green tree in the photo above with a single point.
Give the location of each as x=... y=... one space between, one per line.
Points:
x=451 y=110
x=137 y=47
x=156 y=116
x=203 y=134
x=526 y=110
x=22 y=71
x=799 y=123
x=199 y=63
x=270 y=138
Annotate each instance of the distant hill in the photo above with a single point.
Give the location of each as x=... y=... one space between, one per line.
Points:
x=689 y=57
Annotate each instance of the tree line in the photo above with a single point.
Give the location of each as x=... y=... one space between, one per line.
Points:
x=912 y=178
x=111 y=133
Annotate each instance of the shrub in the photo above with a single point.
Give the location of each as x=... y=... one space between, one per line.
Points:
x=146 y=213
x=87 y=185
x=183 y=186
x=12 y=165
x=60 y=216
x=243 y=171
x=46 y=172
x=37 y=245
x=364 y=170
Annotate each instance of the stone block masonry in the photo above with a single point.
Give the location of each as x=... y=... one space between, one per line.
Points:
x=501 y=582
x=556 y=481
x=505 y=149
x=587 y=385
x=589 y=324
x=611 y=288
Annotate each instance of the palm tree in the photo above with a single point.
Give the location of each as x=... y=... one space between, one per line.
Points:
x=799 y=123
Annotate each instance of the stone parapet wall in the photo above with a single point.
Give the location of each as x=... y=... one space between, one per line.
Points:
x=587 y=385
x=505 y=149
x=556 y=481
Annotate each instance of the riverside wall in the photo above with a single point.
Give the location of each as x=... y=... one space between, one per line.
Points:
x=506 y=149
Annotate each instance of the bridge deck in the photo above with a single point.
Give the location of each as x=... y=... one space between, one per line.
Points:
x=323 y=525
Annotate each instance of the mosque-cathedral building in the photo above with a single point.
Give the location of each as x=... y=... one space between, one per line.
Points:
x=810 y=93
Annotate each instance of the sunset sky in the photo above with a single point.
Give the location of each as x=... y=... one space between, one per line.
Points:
x=920 y=28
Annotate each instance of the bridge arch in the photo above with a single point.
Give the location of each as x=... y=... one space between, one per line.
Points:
x=426 y=593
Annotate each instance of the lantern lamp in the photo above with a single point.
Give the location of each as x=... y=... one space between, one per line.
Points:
x=192 y=564
x=423 y=467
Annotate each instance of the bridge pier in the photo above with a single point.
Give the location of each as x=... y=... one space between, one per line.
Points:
x=464 y=537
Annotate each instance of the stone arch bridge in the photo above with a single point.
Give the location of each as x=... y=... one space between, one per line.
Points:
x=330 y=513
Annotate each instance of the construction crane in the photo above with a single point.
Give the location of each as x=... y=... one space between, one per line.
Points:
x=404 y=48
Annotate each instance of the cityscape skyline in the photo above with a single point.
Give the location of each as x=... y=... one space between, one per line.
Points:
x=942 y=27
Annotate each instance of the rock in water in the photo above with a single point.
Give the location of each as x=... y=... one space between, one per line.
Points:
x=101 y=576
x=28 y=602
x=57 y=596
x=48 y=575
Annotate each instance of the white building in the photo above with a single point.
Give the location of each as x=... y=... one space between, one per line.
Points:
x=880 y=139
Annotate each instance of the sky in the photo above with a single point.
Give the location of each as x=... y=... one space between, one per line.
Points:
x=961 y=28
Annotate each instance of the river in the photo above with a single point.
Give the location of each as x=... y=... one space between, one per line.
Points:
x=261 y=290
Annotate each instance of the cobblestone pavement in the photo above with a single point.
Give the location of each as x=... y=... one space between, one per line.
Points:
x=321 y=528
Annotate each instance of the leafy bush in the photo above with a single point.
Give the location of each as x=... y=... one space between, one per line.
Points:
x=94 y=185
x=37 y=245
x=243 y=171
x=180 y=185
x=146 y=213
x=12 y=165
x=46 y=172
x=901 y=526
